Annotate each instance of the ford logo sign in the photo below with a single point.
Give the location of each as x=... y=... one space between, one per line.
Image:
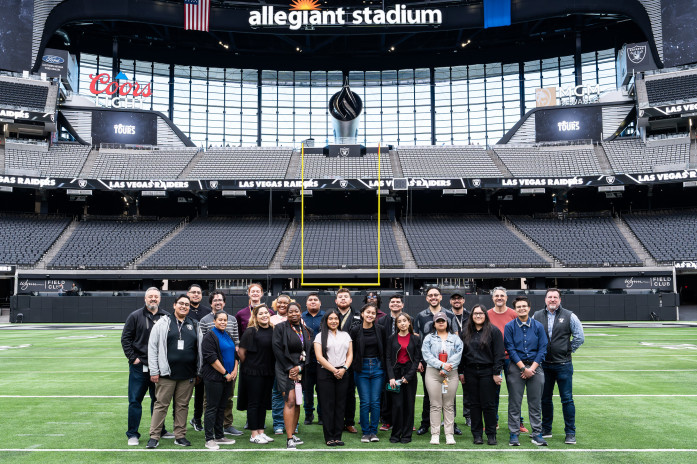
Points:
x=53 y=59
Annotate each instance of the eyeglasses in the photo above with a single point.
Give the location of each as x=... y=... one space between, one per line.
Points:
x=477 y=314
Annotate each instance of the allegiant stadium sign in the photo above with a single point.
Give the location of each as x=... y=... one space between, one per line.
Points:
x=308 y=14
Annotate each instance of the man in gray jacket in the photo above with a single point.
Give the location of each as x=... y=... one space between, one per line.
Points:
x=173 y=360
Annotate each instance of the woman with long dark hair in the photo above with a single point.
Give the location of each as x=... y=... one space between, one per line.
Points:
x=280 y=305
x=257 y=372
x=334 y=353
x=403 y=355
x=292 y=341
x=480 y=371
x=369 y=354
x=441 y=351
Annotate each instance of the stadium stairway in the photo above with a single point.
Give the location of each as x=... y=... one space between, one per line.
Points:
x=282 y=251
x=57 y=245
x=634 y=242
x=139 y=260
x=89 y=162
x=189 y=167
x=530 y=243
x=396 y=167
x=603 y=160
x=293 y=165
x=693 y=154
x=403 y=245
x=499 y=163
x=2 y=158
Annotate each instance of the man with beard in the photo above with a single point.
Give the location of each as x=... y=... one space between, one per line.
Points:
x=217 y=302
x=197 y=312
x=423 y=323
x=460 y=316
x=347 y=319
x=134 y=341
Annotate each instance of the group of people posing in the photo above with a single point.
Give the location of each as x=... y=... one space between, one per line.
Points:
x=282 y=355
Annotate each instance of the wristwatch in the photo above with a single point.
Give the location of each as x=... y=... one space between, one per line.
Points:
x=522 y=369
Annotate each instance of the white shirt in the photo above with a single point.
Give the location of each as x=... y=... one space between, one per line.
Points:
x=337 y=347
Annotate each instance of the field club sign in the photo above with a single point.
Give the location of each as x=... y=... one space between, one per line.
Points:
x=308 y=14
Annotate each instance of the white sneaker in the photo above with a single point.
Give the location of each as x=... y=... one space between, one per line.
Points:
x=435 y=439
x=225 y=441
x=266 y=437
x=449 y=440
x=259 y=440
x=212 y=445
x=133 y=441
x=297 y=440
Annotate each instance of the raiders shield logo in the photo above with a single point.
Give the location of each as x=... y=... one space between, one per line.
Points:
x=636 y=54
x=82 y=183
x=344 y=151
x=561 y=319
x=214 y=184
x=343 y=183
x=610 y=179
x=476 y=183
x=189 y=326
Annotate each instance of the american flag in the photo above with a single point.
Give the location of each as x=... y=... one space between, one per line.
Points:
x=196 y=14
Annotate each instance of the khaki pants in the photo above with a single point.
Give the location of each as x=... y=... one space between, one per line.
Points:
x=228 y=406
x=165 y=391
x=441 y=402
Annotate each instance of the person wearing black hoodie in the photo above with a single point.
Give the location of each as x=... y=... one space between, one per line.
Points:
x=197 y=312
x=134 y=341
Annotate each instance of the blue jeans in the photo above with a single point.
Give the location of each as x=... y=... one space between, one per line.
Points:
x=277 y=408
x=562 y=374
x=369 y=383
x=138 y=383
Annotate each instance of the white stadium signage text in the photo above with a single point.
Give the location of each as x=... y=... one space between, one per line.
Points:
x=307 y=14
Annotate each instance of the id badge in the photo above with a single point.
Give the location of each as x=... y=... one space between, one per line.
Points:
x=145 y=368
x=180 y=344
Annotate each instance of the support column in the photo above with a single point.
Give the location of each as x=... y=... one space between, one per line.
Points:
x=432 y=79
x=171 y=92
x=578 y=66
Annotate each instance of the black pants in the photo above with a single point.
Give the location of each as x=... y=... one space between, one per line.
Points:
x=386 y=406
x=198 y=401
x=217 y=394
x=482 y=394
x=350 y=411
x=332 y=397
x=309 y=385
x=426 y=408
x=403 y=406
x=258 y=398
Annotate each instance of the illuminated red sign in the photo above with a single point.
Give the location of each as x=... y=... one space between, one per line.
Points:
x=113 y=87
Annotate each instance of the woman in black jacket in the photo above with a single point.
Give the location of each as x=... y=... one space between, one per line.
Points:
x=369 y=343
x=482 y=360
x=403 y=355
x=257 y=372
x=218 y=371
x=292 y=342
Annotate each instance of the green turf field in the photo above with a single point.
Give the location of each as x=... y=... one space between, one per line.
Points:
x=63 y=399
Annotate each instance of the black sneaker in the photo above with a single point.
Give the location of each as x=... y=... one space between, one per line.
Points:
x=538 y=440
x=478 y=441
x=457 y=430
x=491 y=440
x=152 y=444
x=308 y=419
x=196 y=424
x=182 y=442
x=423 y=429
x=570 y=439
x=469 y=422
x=232 y=431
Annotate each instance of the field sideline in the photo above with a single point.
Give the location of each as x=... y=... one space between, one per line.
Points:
x=63 y=399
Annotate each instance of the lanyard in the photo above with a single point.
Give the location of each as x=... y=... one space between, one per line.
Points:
x=459 y=321
x=299 y=334
x=179 y=327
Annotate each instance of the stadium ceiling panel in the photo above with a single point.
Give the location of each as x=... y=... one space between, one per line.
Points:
x=248 y=34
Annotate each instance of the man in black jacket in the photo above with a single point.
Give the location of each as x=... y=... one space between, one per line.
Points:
x=348 y=318
x=134 y=341
x=197 y=312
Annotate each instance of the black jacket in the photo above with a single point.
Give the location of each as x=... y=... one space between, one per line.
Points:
x=413 y=350
x=359 y=347
x=493 y=354
x=136 y=333
x=354 y=319
x=281 y=337
x=210 y=352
